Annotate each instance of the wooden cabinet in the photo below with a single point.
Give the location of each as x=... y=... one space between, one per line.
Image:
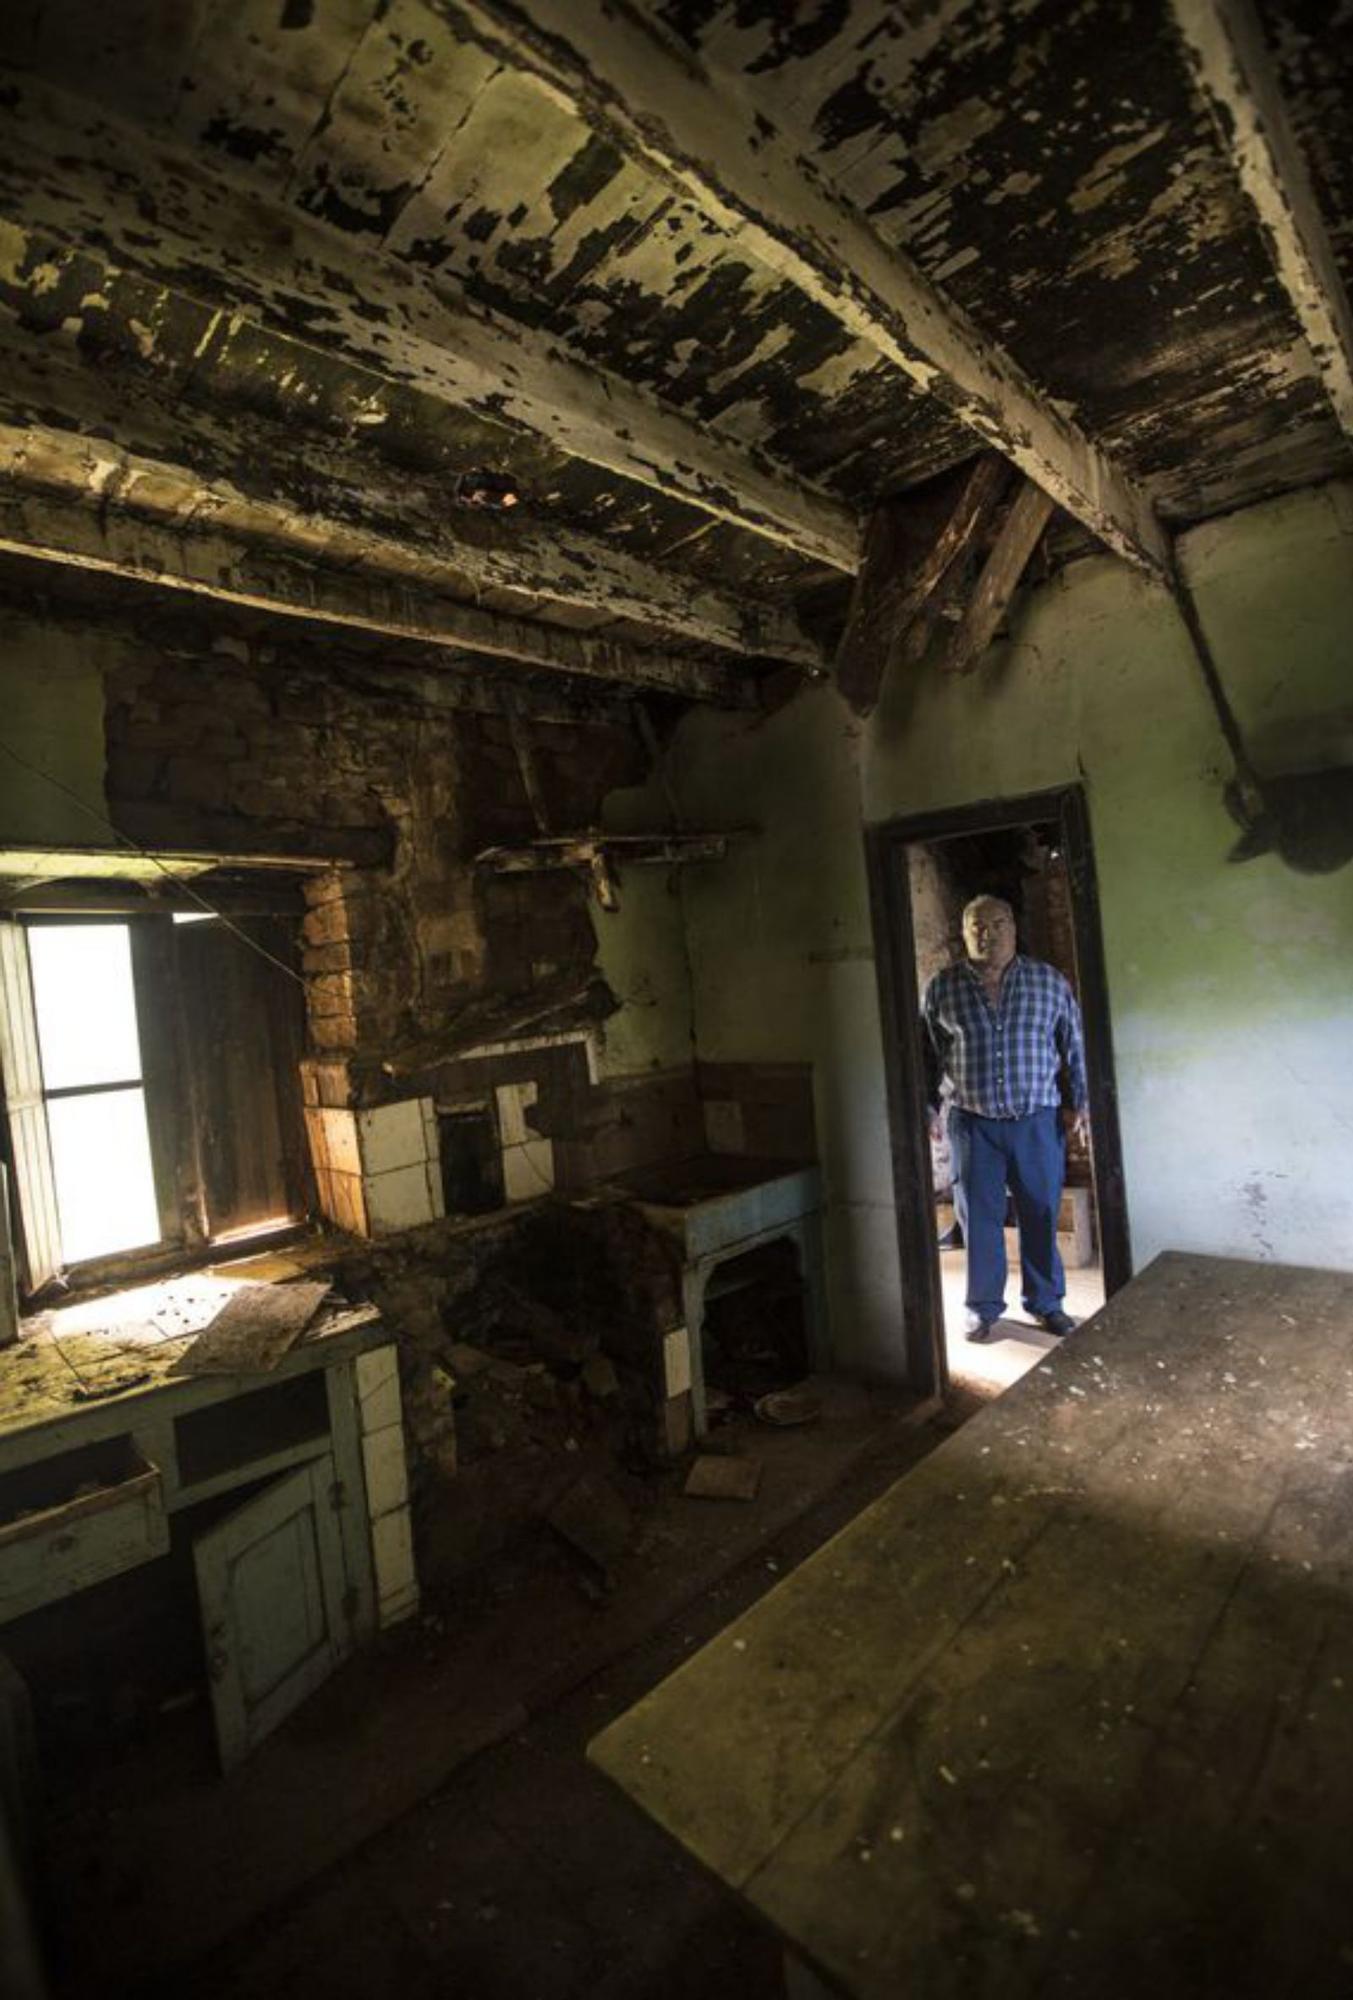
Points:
x=272 y=1583
x=76 y=1517
x=287 y=1581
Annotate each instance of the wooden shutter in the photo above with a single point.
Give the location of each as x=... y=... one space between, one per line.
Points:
x=244 y=1025
x=29 y=1142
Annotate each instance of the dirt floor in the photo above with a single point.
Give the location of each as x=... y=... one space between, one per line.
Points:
x=524 y=1875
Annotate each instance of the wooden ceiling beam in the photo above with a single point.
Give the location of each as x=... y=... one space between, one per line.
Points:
x=316 y=498
x=1016 y=539
x=84 y=179
x=88 y=505
x=707 y=137
x=1224 y=42
x=911 y=545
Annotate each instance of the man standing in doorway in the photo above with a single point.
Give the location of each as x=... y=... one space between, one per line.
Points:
x=1006 y=1031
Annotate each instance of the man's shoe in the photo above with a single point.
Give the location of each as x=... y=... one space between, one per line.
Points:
x=979 y=1329
x=1059 y=1322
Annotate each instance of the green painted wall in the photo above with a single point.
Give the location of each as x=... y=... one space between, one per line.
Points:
x=51 y=716
x=641 y=952
x=1231 y=987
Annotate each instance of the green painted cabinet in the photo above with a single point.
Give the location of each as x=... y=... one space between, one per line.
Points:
x=272 y=1583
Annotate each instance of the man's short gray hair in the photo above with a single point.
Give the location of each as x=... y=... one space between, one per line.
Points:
x=988 y=902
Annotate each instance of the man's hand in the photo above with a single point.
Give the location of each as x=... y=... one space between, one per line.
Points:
x=1076 y=1124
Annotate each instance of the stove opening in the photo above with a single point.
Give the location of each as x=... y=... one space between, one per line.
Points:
x=755 y=1332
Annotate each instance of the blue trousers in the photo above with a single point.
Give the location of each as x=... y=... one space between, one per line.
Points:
x=1027 y=1155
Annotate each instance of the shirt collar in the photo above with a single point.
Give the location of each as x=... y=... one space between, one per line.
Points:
x=973 y=972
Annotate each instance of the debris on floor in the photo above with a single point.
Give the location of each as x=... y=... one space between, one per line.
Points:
x=720 y=1478
x=786 y=1407
x=592 y=1518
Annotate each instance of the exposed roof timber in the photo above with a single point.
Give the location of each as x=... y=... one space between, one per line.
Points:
x=911 y=546
x=70 y=500
x=83 y=178
x=703 y=134
x=320 y=500
x=1015 y=542
x=1225 y=46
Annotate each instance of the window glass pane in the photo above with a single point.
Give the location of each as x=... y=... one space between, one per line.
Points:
x=105 y=1187
x=86 y=1006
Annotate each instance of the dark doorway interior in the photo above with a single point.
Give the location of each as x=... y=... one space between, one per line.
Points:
x=1035 y=852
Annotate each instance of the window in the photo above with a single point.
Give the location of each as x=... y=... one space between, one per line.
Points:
x=89 y=1049
x=151 y=1086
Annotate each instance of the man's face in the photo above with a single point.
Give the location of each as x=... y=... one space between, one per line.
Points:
x=989 y=934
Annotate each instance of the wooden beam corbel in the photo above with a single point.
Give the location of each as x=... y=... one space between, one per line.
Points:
x=911 y=545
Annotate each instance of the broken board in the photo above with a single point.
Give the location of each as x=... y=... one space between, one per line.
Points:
x=254 y=1329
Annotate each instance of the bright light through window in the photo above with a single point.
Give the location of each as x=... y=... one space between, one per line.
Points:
x=86 y=1013
x=86 y=1006
x=105 y=1187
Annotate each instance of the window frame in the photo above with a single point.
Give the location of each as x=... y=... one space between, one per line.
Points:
x=172 y=1108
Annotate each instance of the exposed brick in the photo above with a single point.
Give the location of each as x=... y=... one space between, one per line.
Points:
x=327 y=958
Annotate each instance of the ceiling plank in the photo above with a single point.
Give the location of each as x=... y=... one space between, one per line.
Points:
x=1015 y=542
x=704 y=135
x=313 y=497
x=1225 y=46
x=910 y=546
x=83 y=178
x=88 y=505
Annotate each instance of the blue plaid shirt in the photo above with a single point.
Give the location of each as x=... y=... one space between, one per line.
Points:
x=1004 y=1061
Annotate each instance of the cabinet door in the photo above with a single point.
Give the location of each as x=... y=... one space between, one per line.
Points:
x=271 y=1583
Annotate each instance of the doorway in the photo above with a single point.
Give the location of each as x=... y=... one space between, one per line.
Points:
x=1036 y=852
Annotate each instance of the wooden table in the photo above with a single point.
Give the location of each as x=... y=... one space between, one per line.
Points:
x=1070 y=1709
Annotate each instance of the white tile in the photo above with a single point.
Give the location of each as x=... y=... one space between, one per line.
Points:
x=376 y=1367
x=676 y=1361
x=381 y=1407
x=398 y=1200
x=392 y=1554
x=378 y=1399
x=340 y=1140
x=514 y=1099
x=724 y=1132
x=387 y=1475
x=528 y=1170
x=392 y=1136
x=436 y=1198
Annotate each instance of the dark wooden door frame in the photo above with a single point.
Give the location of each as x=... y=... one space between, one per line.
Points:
x=886 y=847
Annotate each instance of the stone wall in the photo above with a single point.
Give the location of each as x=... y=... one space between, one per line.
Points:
x=240 y=746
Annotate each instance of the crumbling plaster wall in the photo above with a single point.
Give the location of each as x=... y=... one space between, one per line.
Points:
x=1229 y=984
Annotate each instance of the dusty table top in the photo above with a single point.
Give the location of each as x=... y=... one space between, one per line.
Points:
x=1070 y=1709
x=130 y=1342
